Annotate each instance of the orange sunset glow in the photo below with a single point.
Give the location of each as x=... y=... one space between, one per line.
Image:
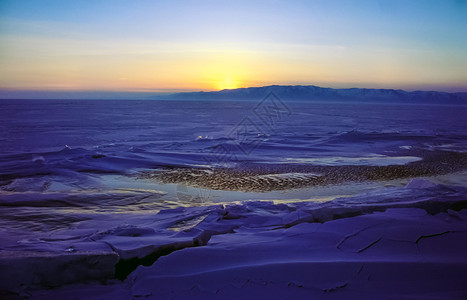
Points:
x=159 y=47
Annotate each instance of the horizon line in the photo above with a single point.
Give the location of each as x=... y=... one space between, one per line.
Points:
x=176 y=91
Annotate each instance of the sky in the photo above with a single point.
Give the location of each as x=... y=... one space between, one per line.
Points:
x=181 y=45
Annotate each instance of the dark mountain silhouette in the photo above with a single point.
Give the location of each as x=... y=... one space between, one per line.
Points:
x=311 y=92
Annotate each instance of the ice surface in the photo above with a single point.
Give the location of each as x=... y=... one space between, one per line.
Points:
x=372 y=160
x=419 y=183
x=254 y=246
x=76 y=217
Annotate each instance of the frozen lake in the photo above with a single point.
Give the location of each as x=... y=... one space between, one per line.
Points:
x=130 y=181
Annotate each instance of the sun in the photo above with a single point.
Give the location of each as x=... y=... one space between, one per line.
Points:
x=227 y=84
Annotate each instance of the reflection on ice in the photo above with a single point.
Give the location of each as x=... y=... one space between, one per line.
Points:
x=373 y=160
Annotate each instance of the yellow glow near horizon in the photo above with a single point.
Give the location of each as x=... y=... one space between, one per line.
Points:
x=228 y=84
x=224 y=69
x=53 y=64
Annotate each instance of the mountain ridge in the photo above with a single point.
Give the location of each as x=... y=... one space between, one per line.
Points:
x=312 y=92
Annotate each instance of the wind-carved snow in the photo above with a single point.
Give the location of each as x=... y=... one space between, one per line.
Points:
x=238 y=248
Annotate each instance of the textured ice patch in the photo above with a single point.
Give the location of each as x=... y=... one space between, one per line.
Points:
x=285 y=176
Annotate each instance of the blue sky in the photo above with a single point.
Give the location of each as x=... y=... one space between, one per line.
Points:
x=209 y=45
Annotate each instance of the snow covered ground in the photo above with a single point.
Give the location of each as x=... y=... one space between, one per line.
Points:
x=393 y=243
x=122 y=200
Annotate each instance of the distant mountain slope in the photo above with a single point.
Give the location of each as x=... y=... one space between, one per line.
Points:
x=312 y=92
